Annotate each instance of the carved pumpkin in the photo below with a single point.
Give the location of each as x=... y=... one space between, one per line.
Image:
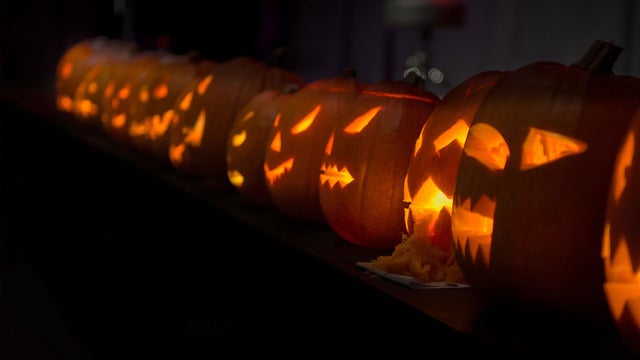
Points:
x=247 y=143
x=366 y=159
x=298 y=140
x=82 y=58
x=204 y=114
x=532 y=183
x=621 y=239
x=156 y=98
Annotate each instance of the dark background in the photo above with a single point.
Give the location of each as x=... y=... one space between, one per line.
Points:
x=102 y=261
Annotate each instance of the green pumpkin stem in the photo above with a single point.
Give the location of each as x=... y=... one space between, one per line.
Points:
x=600 y=57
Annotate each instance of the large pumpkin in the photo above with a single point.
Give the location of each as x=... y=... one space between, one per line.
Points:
x=621 y=239
x=298 y=140
x=82 y=58
x=247 y=143
x=532 y=184
x=366 y=159
x=204 y=113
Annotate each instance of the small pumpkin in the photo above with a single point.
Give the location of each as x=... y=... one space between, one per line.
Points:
x=297 y=141
x=80 y=59
x=532 y=183
x=621 y=239
x=204 y=114
x=366 y=159
x=247 y=143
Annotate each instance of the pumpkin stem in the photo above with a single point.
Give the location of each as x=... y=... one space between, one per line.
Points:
x=600 y=57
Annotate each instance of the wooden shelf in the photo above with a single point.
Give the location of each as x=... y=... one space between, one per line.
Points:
x=500 y=329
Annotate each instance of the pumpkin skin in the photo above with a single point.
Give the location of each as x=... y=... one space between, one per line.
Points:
x=297 y=142
x=247 y=144
x=366 y=159
x=198 y=136
x=431 y=174
x=621 y=239
x=532 y=183
x=80 y=59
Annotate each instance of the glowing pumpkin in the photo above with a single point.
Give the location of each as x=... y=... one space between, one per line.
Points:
x=621 y=239
x=204 y=114
x=298 y=140
x=532 y=183
x=366 y=159
x=247 y=143
x=80 y=59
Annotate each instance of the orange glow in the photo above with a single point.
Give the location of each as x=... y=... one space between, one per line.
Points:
x=160 y=125
x=65 y=70
x=398 y=96
x=92 y=88
x=137 y=129
x=272 y=175
x=487 y=145
x=86 y=108
x=65 y=103
x=109 y=89
x=623 y=283
x=329 y=147
x=276 y=121
x=124 y=92
x=458 y=132
x=247 y=116
x=623 y=163
x=473 y=228
x=238 y=139
x=276 y=143
x=203 y=85
x=235 y=178
x=143 y=96
x=542 y=147
x=306 y=121
x=185 y=103
x=430 y=197
x=176 y=153
x=193 y=136
x=333 y=175
x=418 y=145
x=161 y=91
x=118 y=121
x=362 y=121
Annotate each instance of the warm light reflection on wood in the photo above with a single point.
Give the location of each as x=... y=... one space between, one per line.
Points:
x=486 y=144
x=542 y=147
x=362 y=121
x=306 y=121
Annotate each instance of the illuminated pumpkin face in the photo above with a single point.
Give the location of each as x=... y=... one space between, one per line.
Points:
x=80 y=59
x=205 y=112
x=531 y=187
x=247 y=144
x=298 y=140
x=621 y=239
x=156 y=98
x=366 y=159
x=433 y=167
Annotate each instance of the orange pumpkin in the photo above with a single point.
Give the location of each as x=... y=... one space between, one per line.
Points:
x=247 y=143
x=297 y=142
x=204 y=114
x=532 y=183
x=621 y=239
x=366 y=159
x=80 y=59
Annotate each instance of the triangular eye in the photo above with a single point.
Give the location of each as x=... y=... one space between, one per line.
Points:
x=307 y=120
x=362 y=121
x=486 y=144
x=542 y=147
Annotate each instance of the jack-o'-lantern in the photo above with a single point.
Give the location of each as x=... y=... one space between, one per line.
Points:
x=204 y=113
x=80 y=59
x=532 y=183
x=247 y=143
x=621 y=239
x=426 y=252
x=366 y=159
x=297 y=142
x=155 y=102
